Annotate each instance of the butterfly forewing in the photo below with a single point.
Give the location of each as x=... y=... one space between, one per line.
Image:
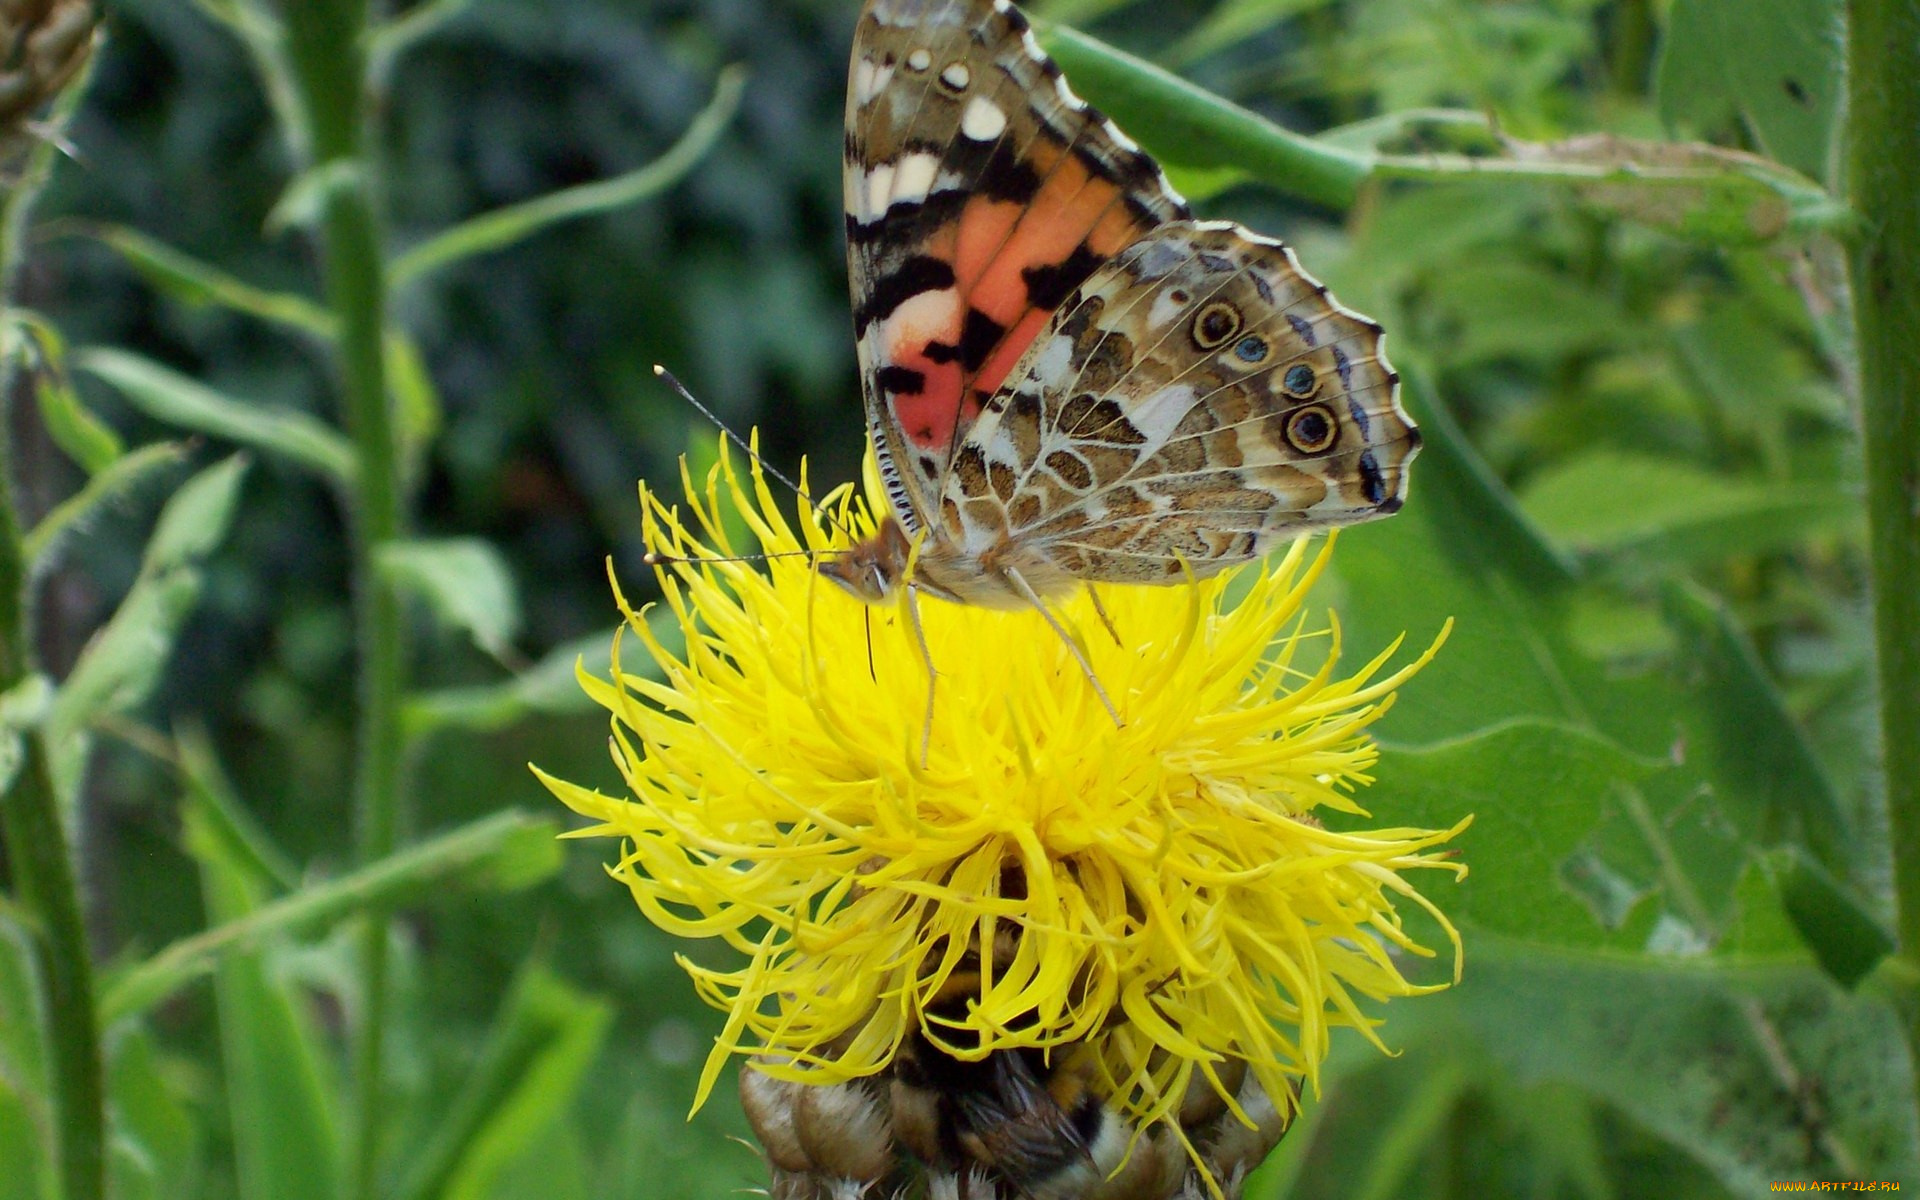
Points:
x=980 y=193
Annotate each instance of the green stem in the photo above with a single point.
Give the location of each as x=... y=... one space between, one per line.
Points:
x=1883 y=181
x=1164 y=110
x=36 y=841
x=326 y=39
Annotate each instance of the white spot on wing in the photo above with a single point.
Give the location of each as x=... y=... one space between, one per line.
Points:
x=913 y=178
x=922 y=318
x=869 y=80
x=1066 y=95
x=1120 y=139
x=878 y=191
x=1052 y=363
x=1165 y=310
x=983 y=121
x=920 y=59
x=956 y=76
x=1159 y=414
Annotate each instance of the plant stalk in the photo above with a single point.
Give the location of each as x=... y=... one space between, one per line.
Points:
x=1883 y=182
x=44 y=879
x=326 y=39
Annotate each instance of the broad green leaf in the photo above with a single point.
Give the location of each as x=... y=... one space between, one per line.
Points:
x=1747 y=742
x=505 y=852
x=1774 y=64
x=111 y=485
x=1660 y=510
x=196 y=519
x=1514 y=310
x=190 y=281
x=548 y=686
x=1536 y=792
x=1685 y=835
x=81 y=436
x=1762 y=1075
x=503 y=227
x=535 y=1059
x=465 y=581
x=169 y=396
x=279 y=1095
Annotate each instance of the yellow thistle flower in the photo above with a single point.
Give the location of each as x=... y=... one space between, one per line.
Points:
x=1176 y=900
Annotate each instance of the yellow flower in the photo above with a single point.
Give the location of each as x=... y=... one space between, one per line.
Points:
x=1176 y=899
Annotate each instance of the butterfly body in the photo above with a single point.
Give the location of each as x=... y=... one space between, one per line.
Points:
x=1068 y=379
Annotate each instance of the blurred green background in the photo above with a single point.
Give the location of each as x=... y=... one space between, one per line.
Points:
x=1641 y=505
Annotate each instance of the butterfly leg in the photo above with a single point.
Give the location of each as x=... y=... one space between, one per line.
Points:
x=933 y=676
x=1106 y=620
x=1020 y=585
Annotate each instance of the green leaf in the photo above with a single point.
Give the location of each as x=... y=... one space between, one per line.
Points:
x=503 y=227
x=195 y=521
x=1848 y=940
x=1535 y=791
x=1661 y=510
x=112 y=485
x=1514 y=310
x=190 y=281
x=81 y=436
x=549 y=686
x=305 y=198
x=535 y=1059
x=169 y=396
x=418 y=413
x=279 y=1095
x=123 y=661
x=465 y=581
x=1746 y=739
x=1774 y=64
x=1684 y=836
x=247 y=843
x=118 y=668
x=505 y=852
x=1759 y=1074
x=155 y=1143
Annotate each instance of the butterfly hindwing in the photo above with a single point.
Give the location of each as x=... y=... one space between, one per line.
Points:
x=1197 y=400
x=980 y=193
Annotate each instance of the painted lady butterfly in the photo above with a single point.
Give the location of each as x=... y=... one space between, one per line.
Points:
x=1069 y=379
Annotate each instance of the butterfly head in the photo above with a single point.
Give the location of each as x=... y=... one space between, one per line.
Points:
x=874 y=569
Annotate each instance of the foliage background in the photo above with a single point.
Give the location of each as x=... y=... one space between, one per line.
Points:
x=1642 y=508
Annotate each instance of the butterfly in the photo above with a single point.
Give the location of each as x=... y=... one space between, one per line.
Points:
x=1068 y=379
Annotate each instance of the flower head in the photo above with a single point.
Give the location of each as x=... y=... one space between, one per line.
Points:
x=1163 y=889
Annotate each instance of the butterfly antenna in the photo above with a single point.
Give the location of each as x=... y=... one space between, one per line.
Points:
x=654 y=558
x=764 y=466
